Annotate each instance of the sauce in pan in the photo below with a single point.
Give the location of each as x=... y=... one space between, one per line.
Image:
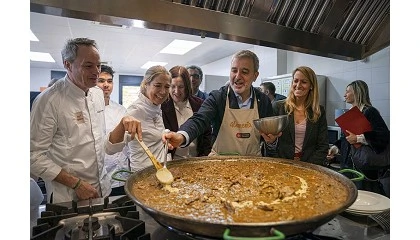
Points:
x=242 y=192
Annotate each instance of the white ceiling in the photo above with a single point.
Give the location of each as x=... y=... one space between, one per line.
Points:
x=125 y=49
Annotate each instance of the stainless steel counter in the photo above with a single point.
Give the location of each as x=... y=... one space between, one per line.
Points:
x=343 y=226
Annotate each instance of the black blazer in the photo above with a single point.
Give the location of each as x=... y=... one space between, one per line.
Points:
x=170 y=121
x=378 y=139
x=315 y=143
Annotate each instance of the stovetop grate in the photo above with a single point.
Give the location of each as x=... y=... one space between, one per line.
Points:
x=54 y=221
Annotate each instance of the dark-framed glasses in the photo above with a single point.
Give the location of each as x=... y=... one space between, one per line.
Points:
x=195 y=75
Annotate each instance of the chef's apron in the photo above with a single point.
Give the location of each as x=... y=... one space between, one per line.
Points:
x=237 y=134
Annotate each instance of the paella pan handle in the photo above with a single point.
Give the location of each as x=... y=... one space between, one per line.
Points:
x=360 y=176
x=278 y=236
x=114 y=175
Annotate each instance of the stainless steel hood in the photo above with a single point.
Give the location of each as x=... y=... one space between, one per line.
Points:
x=340 y=29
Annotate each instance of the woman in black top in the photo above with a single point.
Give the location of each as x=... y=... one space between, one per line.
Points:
x=357 y=94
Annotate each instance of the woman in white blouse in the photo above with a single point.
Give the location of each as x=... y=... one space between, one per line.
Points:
x=154 y=90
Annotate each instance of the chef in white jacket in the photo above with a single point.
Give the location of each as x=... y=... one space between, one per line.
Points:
x=154 y=90
x=67 y=136
x=113 y=114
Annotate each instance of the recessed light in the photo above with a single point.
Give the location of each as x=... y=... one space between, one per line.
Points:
x=138 y=23
x=111 y=25
x=150 y=64
x=180 y=47
x=41 y=57
x=33 y=37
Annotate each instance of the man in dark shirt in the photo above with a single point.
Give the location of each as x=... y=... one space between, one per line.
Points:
x=230 y=110
x=270 y=90
x=196 y=77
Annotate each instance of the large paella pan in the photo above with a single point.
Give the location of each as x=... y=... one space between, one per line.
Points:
x=247 y=195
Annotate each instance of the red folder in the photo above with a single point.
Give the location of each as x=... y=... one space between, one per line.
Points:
x=354 y=121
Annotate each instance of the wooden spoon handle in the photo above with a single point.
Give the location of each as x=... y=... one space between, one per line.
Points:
x=155 y=162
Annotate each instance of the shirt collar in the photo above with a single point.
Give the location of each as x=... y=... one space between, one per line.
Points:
x=75 y=89
x=247 y=103
x=182 y=105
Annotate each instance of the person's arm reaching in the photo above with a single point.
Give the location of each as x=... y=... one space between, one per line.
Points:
x=117 y=138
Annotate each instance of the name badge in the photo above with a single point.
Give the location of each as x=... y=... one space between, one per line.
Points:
x=243 y=135
x=79 y=117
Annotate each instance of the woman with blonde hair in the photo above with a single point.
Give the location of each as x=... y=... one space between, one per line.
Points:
x=154 y=90
x=305 y=137
x=377 y=179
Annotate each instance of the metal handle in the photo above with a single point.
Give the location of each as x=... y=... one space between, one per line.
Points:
x=166 y=149
x=279 y=236
x=113 y=176
x=360 y=176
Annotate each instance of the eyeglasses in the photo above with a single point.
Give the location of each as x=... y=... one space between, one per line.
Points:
x=195 y=75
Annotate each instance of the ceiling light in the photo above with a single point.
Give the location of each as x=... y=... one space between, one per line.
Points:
x=33 y=37
x=41 y=57
x=150 y=64
x=180 y=47
x=138 y=23
x=112 y=25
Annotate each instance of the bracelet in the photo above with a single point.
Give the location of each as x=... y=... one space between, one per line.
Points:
x=77 y=184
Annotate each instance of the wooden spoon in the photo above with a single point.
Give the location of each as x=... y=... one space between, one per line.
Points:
x=163 y=174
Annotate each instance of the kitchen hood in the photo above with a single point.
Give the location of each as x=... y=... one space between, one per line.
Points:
x=339 y=29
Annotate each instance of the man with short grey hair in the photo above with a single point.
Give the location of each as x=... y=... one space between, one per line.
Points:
x=68 y=141
x=230 y=110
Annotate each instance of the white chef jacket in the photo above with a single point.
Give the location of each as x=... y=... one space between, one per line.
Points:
x=114 y=112
x=68 y=132
x=152 y=126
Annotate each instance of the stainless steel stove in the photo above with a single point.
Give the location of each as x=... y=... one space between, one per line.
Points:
x=91 y=219
x=119 y=218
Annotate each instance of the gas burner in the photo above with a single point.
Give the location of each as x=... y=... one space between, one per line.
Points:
x=91 y=223
x=97 y=219
x=87 y=227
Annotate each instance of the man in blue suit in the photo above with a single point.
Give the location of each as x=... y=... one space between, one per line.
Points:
x=196 y=77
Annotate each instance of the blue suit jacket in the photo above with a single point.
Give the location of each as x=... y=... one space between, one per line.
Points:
x=202 y=95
